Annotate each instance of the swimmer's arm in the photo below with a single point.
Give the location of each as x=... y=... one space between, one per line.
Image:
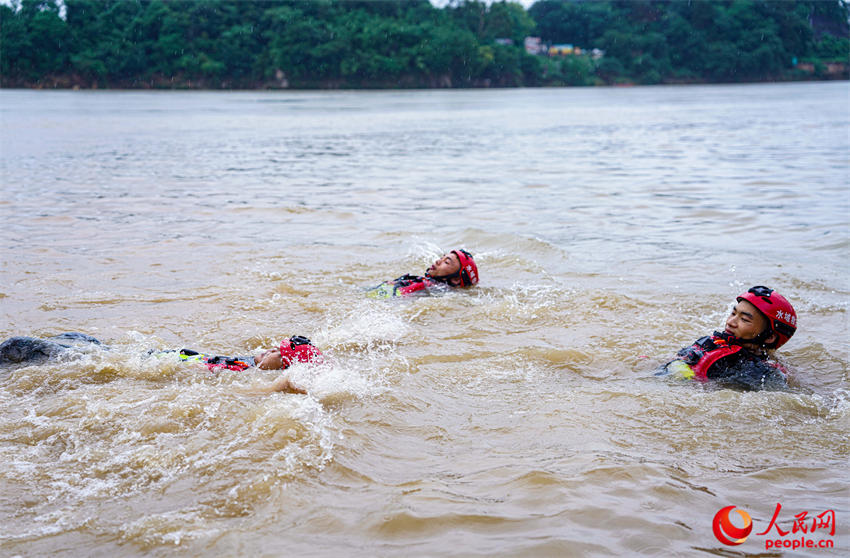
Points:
x=282 y=383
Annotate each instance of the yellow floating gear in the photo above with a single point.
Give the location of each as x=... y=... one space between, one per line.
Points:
x=681 y=369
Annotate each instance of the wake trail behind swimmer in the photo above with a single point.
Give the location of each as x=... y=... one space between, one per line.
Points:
x=31 y=350
x=18 y=350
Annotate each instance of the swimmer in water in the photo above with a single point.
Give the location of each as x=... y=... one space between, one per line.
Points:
x=29 y=350
x=291 y=350
x=455 y=269
x=761 y=320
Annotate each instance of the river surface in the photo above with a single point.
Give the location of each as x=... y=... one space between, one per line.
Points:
x=611 y=227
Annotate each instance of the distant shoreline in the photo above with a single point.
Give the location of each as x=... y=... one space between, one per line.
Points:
x=168 y=84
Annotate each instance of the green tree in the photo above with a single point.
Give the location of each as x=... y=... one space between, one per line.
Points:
x=35 y=40
x=508 y=20
x=15 y=44
x=577 y=23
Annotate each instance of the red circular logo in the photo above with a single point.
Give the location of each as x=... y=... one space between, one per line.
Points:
x=728 y=533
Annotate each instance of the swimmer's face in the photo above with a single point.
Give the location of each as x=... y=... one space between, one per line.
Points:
x=270 y=360
x=746 y=321
x=445 y=265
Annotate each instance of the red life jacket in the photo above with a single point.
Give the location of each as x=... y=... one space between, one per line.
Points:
x=417 y=284
x=227 y=364
x=402 y=286
x=744 y=369
x=215 y=362
x=705 y=351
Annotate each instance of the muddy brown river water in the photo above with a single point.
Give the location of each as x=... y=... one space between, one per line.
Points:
x=519 y=418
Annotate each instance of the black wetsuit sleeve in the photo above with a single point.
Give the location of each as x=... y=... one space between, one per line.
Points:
x=746 y=371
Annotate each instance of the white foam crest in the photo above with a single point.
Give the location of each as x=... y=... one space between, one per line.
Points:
x=77 y=351
x=366 y=324
x=353 y=376
x=525 y=303
x=714 y=320
x=138 y=356
x=47 y=524
x=76 y=488
x=839 y=404
x=424 y=250
x=528 y=299
x=172 y=528
x=106 y=443
x=367 y=337
x=62 y=443
x=297 y=427
x=104 y=454
x=261 y=271
x=152 y=366
x=518 y=262
x=99 y=419
x=319 y=422
x=503 y=369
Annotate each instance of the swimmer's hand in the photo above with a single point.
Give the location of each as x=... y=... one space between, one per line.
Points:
x=283 y=383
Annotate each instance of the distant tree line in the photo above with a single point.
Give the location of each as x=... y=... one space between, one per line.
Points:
x=412 y=43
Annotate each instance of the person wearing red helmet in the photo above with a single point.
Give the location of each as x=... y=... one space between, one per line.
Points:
x=761 y=320
x=455 y=269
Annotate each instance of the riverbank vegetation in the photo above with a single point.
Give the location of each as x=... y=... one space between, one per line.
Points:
x=413 y=43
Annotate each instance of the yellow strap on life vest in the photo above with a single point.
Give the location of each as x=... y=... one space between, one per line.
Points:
x=384 y=290
x=192 y=358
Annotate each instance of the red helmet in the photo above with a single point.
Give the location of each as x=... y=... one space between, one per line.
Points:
x=468 y=270
x=298 y=349
x=780 y=314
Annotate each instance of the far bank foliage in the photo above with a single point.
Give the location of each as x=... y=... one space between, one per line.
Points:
x=410 y=43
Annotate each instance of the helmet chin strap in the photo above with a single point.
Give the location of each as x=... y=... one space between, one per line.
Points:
x=445 y=278
x=757 y=340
